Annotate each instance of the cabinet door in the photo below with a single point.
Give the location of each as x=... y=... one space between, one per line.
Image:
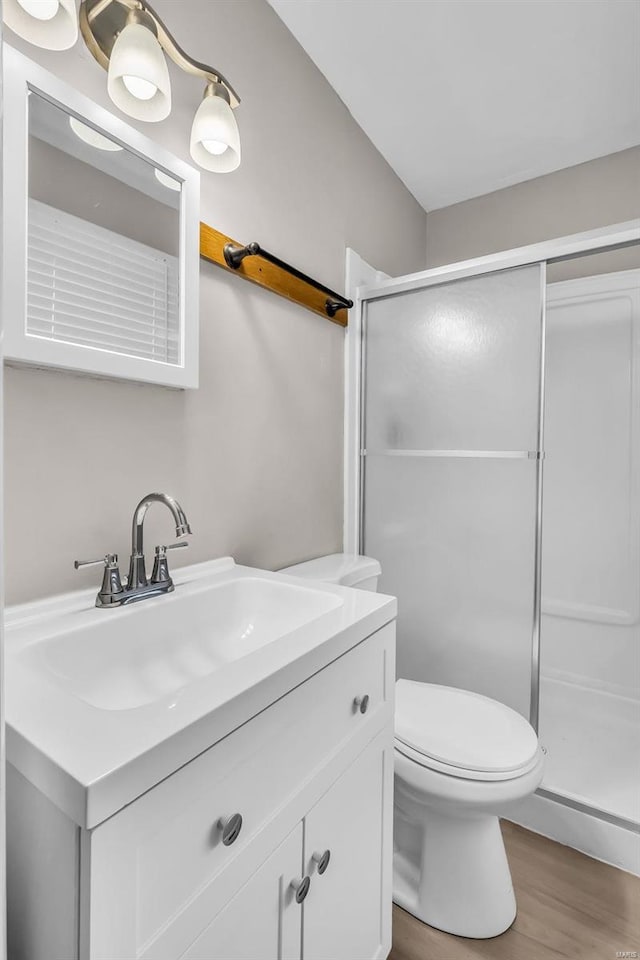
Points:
x=347 y=914
x=263 y=920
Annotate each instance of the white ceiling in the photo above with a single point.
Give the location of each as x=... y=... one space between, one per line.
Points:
x=463 y=97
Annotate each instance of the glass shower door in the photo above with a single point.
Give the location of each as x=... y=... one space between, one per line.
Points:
x=451 y=476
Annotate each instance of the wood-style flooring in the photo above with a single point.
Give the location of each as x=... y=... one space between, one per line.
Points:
x=568 y=906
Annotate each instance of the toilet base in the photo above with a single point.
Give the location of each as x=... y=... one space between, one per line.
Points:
x=451 y=872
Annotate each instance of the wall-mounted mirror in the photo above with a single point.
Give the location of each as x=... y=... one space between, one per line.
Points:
x=102 y=239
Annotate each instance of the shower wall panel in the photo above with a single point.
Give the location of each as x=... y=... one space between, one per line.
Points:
x=590 y=638
x=591 y=517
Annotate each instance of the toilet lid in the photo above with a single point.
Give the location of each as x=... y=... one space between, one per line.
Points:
x=462 y=729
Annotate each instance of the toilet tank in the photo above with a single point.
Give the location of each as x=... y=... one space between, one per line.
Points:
x=347 y=569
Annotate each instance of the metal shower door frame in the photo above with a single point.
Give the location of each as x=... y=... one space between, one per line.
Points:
x=614 y=237
x=610 y=238
x=537 y=455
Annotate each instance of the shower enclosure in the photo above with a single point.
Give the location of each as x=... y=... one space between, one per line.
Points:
x=590 y=604
x=499 y=484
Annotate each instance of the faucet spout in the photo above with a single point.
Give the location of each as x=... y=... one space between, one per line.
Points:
x=137 y=573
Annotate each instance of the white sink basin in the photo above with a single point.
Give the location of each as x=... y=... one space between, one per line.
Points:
x=103 y=704
x=167 y=643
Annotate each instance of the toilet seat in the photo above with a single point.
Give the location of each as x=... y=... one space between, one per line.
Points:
x=481 y=775
x=462 y=734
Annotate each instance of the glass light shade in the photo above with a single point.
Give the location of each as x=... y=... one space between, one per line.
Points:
x=215 y=139
x=167 y=181
x=40 y=9
x=92 y=137
x=138 y=80
x=51 y=24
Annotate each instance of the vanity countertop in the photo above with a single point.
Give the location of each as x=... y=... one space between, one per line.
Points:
x=101 y=705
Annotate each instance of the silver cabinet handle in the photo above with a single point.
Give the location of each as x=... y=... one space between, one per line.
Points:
x=322 y=859
x=361 y=703
x=301 y=887
x=231 y=827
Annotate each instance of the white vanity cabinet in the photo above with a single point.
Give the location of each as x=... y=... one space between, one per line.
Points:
x=343 y=914
x=313 y=772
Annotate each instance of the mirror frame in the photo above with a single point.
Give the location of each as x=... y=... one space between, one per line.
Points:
x=20 y=76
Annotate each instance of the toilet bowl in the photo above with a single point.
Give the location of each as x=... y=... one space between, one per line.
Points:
x=459 y=758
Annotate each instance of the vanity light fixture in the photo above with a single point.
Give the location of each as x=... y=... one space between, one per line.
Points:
x=131 y=42
x=52 y=24
x=84 y=132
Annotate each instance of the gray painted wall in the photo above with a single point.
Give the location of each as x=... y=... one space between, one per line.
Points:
x=584 y=197
x=65 y=182
x=255 y=455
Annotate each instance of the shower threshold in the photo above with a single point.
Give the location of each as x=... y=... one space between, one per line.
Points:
x=592 y=741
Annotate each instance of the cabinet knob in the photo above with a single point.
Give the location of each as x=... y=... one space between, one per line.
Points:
x=361 y=703
x=231 y=827
x=301 y=887
x=322 y=859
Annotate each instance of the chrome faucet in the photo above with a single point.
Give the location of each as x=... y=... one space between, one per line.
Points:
x=137 y=574
x=112 y=592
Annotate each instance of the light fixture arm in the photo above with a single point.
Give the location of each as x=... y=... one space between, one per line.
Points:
x=102 y=20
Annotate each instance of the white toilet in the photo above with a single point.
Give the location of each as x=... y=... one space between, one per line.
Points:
x=459 y=758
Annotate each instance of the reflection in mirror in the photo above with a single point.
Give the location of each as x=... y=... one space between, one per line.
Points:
x=103 y=241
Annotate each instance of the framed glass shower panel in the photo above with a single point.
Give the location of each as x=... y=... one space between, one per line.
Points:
x=451 y=475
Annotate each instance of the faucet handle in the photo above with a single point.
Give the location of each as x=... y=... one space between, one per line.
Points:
x=161 y=550
x=109 y=560
x=111 y=590
x=160 y=566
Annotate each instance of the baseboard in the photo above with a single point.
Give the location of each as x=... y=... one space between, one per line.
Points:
x=574 y=828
